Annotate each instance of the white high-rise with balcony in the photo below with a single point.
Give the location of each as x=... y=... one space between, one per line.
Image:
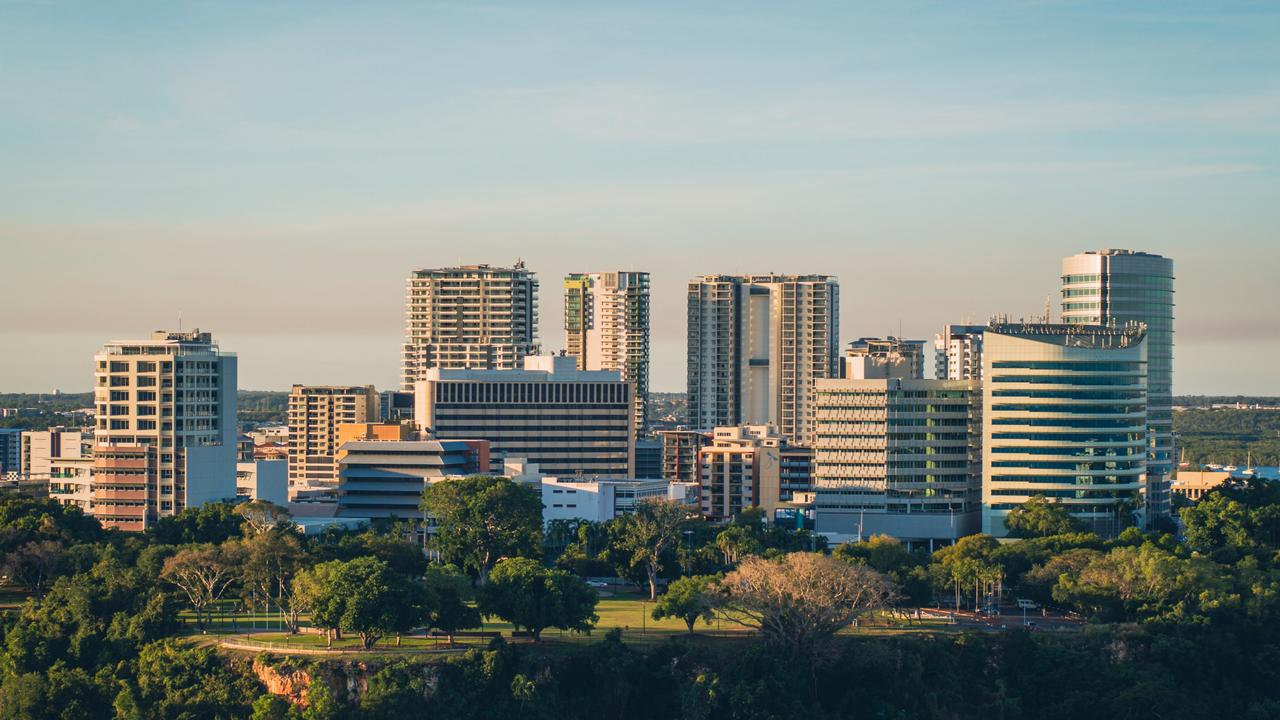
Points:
x=165 y=438
x=473 y=317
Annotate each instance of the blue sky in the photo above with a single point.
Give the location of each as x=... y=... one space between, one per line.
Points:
x=273 y=170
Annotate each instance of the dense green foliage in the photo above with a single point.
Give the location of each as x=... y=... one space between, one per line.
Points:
x=1229 y=436
x=40 y=411
x=1176 y=628
x=484 y=519
x=534 y=598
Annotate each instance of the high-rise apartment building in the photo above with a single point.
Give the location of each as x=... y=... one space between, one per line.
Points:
x=606 y=324
x=315 y=414
x=166 y=428
x=1064 y=417
x=958 y=352
x=1113 y=287
x=900 y=456
x=473 y=317
x=569 y=422
x=756 y=345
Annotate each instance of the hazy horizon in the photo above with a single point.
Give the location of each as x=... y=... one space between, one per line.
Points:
x=274 y=171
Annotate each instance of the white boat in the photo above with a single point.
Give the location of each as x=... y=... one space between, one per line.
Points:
x=1231 y=468
x=1213 y=466
x=1248 y=470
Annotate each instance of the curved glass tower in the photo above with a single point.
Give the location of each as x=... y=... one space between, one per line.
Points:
x=1112 y=287
x=1064 y=417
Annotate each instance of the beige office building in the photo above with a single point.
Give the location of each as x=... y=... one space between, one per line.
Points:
x=166 y=428
x=606 y=323
x=40 y=448
x=750 y=466
x=473 y=317
x=898 y=456
x=315 y=414
x=756 y=345
x=1064 y=417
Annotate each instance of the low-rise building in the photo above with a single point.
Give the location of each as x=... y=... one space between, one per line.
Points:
x=680 y=449
x=385 y=478
x=606 y=498
x=743 y=467
x=263 y=480
x=1193 y=484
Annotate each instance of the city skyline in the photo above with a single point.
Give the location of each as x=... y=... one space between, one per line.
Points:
x=214 y=164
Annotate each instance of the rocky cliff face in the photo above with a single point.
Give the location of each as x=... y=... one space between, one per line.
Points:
x=286 y=681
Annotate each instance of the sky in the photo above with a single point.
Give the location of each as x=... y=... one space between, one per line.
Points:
x=272 y=171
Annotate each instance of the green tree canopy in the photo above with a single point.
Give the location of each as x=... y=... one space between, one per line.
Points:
x=533 y=598
x=363 y=595
x=690 y=598
x=482 y=519
x=649 y=532
x=1039 y=517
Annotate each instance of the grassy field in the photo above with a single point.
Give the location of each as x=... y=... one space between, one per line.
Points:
x=626 y=611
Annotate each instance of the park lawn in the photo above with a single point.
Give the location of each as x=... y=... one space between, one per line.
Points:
x=13 y=597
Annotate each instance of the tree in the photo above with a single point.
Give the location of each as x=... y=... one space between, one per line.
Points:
x=800 y=601
x=736 y=541
x=445 y=608
x=1239 y=516
x=482 y=519
x=969 y=560
x=203 y=573
x=175 y=680
x=263 y=515
x=272 y=559
x=1039 y=517
x=879 y=552
x=363 y=595
x=34 y=564
x=209 y=523
x=647 y=533
x=689 y=598
x=533 y=598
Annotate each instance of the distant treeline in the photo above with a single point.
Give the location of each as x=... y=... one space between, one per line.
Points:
x=1205 y=401
x=40 y=411
x=1229 y=436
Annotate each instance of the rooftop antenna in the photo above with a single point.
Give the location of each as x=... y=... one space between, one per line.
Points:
x=179 y=321
x=1047 y=318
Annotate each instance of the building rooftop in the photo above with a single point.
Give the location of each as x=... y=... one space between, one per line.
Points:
x=1066 y=334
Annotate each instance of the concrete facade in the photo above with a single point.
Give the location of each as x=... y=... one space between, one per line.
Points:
x=569 y=422
x=898 y=456
x=315 y=414
x=756 y=344
x=385 y=478
x=469 y=317
x=606 y=322
x=165 y=438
